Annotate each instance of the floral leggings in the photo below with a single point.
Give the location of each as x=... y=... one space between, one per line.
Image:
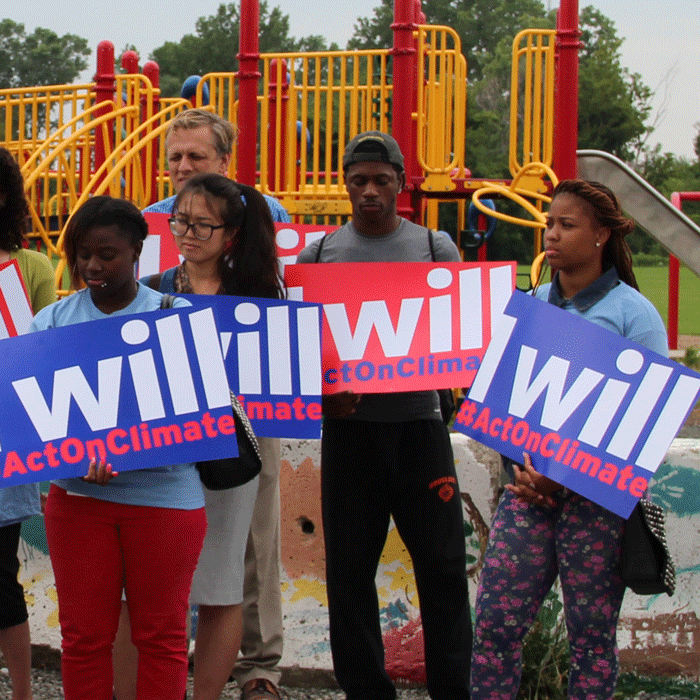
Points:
x=528 y=546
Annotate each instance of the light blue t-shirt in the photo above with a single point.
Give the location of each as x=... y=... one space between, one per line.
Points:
x=175 y=486
x=165 y=206
x=614 y=305
x=17 y=503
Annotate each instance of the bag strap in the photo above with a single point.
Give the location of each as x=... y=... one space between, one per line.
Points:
x=322 y=240
x=431 y=243
x=242 y=416
x=166 y=301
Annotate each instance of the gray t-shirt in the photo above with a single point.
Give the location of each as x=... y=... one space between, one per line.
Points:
x=407 y=243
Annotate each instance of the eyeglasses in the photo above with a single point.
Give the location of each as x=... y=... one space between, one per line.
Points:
x=203 y=232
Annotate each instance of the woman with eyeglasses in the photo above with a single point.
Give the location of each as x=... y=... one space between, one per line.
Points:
x=224 y=232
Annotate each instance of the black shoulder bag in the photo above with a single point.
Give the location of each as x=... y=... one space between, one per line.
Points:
x=229 y=472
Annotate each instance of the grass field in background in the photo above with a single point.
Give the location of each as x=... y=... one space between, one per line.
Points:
x=653 y=283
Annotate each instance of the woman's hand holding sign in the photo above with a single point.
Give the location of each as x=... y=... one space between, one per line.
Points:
x=100 y=473
x=532 y=486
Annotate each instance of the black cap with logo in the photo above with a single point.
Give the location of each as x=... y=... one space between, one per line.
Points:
x=373 y=146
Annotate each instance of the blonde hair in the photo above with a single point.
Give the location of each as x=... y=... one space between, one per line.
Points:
x=223 y=132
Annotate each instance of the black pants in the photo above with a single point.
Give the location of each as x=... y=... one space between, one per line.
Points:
x=13 y=609
x=369 y=472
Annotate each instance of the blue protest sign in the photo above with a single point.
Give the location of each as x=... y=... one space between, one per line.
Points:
x=595 y=411
x=272 y=351
x=137 y=391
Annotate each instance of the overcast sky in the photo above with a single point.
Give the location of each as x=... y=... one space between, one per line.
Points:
x=662 y=39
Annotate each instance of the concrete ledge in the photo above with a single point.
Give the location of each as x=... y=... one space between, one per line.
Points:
x=657 y=634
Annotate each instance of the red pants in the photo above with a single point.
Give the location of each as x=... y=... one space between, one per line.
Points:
x=97 y=548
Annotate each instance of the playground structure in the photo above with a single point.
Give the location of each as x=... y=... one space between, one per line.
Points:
x=295 y=112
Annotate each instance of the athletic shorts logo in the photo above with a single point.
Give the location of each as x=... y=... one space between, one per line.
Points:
x=447 y=490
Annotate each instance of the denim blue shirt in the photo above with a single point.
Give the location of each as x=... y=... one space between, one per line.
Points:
x=614 y=305
x=173 y=486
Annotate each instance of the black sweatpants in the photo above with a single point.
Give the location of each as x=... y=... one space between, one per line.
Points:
x=369 y=472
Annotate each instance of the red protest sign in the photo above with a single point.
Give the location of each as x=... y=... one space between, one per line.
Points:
x=403 y=326
x=15 y=307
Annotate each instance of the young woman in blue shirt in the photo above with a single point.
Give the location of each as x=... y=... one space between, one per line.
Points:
x=542 y=530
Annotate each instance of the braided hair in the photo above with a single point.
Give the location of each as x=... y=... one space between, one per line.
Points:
x=607 y=213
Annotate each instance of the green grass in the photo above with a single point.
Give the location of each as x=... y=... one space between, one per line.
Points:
x=653 y=283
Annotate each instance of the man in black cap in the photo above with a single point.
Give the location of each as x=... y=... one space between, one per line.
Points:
x=388 y=455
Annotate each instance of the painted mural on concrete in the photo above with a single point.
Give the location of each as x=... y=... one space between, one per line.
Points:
x=653 y=629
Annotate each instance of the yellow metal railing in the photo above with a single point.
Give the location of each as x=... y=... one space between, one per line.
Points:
x=532 y=100
x=313 y=103
x=29 y=115
x=309 y=106
x=442 y=107
x=531 y=133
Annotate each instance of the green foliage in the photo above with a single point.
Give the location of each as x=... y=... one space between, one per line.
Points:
x=39 y=58
x=215 y=45
x=545 y=672
x=630 y=685
x=481 y=24
x=614 y=104
x=650 y=260
x=691 y=358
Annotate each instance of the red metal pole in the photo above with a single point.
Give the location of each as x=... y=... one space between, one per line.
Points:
x=104 y=92
x=482 y=250
x=677 y=199
x=278 y=112
x=248 y=75
x=673 y=284
x=130 y=62
x=566 y=91
x=152 y=71
x=403 y=98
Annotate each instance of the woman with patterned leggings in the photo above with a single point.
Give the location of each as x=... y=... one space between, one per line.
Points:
x=542 y=529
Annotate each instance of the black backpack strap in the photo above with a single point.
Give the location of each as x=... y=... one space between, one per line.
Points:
x=431 y=243
x=321 y=241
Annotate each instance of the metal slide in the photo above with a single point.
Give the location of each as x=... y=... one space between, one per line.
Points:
x=651 y=210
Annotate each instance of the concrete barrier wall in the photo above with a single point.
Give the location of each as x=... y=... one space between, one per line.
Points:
x=655 y=631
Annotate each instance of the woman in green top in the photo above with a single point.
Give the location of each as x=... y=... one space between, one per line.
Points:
x=18 y=503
